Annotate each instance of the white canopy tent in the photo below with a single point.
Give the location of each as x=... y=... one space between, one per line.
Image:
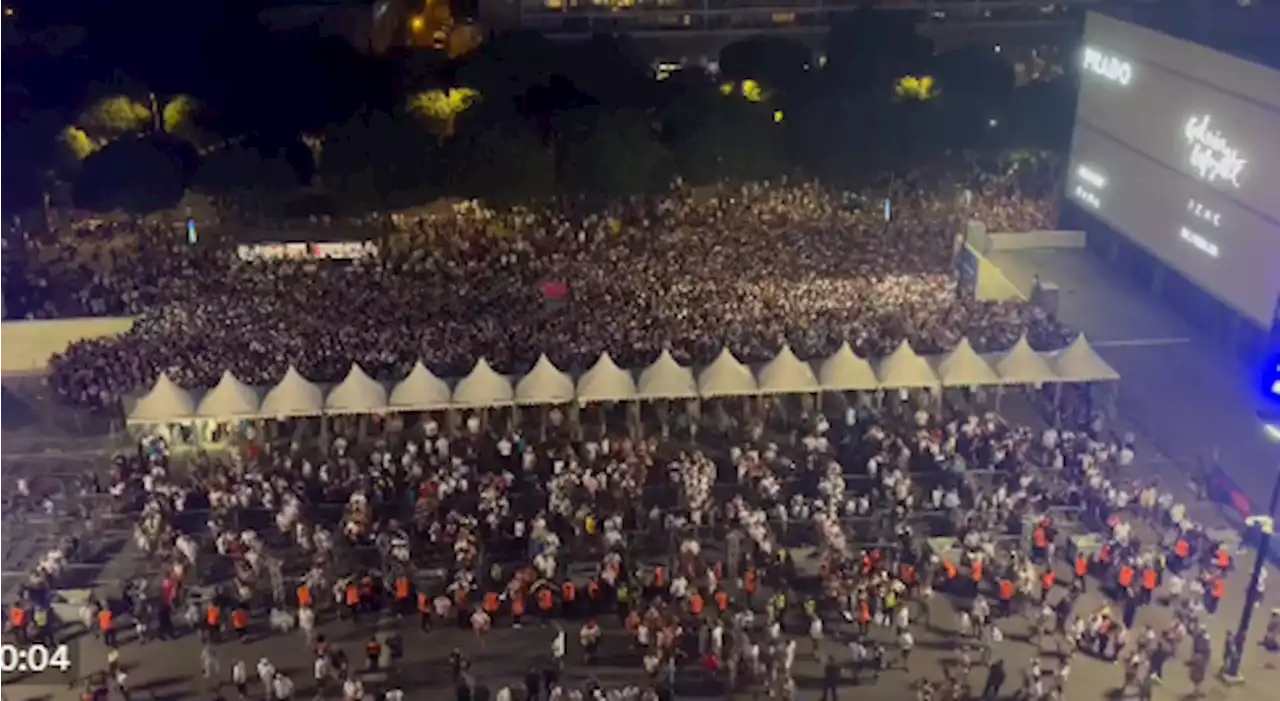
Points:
x=903 y=369
x=844 y=371
x=1079 y=362
x=606 y=382
x=787 y=374
x=420 y=390
x=165 y=403
x=1022 y=365
x=963 y=367
x=293 y=396
x=230 y=399
x=667 y=379
x=726 y=376
x=357 y=394
x=545 y=384
x=483 y=387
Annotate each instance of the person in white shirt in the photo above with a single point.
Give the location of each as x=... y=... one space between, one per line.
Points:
x=395 y=694
x=266 y=672
x=558 y=648
x=283 y=687
x=352 y=689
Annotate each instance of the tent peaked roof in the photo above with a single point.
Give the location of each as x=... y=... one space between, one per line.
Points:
x=903 y=369
x=1079 y=362
x=787 y=374
x=963 y=367
x=230 y=399
x=420 y=390
x=483 y=386
x=1021 y=365
x=726 y=376
x=357 y=394
x=606 y=382
x=164 y=403
x=667 y=379
x=844 y=371
x=294 y=395
x=545 y=384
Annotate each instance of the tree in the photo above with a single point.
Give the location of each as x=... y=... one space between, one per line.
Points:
x=505 y=161
x=441 y=108
x=379 y=160
x=612 y=153
x=740 y=142
x=115 y=116
x=245 y=177
x=777 y=62
x=868 y=50
x=139 y=176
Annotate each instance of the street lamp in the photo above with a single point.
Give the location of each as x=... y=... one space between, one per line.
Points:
x=1264 y=525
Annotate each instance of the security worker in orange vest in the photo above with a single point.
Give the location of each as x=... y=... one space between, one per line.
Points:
x=1222 y=560
x=546 y=603
x=975 y=574
x=304 y=597
x=1046 y=584
x=240 y=622
x=750 y=583
x=593 y=595
x=424 y=611
x=1006 y=597
x=213 y=621
x=372 y=651
x=491 y=603
x=1125 y=579
x=1082 y=572
x=1181 y=554
x=403 y=594
x=352 y=601
x=1041 y=541
x=107 y=627
x=1214 y=593
x=18 y=623
x=1150 y=580
x=517 y=610
x=696 y=605
x=949 y=572
x=722 y=600
x=568 y=598
x=659 y=579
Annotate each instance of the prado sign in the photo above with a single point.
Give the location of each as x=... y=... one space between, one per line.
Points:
x=1108 y=66
x=1212 y=157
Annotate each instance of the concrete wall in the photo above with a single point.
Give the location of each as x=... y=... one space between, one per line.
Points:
x=27 y=346
x=1029 y=240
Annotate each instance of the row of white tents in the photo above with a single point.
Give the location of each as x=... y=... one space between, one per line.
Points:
x=664 y=379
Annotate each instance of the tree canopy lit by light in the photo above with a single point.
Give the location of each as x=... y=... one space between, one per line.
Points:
x=912 y=88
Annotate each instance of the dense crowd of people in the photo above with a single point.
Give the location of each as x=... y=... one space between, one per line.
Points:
x=747 y=268
x=422 y=538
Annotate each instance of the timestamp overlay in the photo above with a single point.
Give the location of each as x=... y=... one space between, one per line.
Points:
x=40 y=664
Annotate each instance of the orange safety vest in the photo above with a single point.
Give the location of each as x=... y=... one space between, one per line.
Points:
x=491 y=602
x=1223 y=560
x=1219 y=588
x=864 y=612
x=1046 y=580
x=950 y=569
x=1182 y=549
x=304 y=597
x=1126 y=576
x=722 y=601
x=18 y=617
x=695 y=604
x=568 y=592
x=545 y=600
x=1040 y=539
x=751 y=581
x=424 y=603
x=659 y=577
x=1149 y=579
x=517 y=605
x=402 y=589
x=460 y=598
x=104 y=621
x=373 y=648
x=213 y=616
x=1006 y=590
x=593 y=589
x=976 y=571
x=239 y=619
x=1082 y=566
x=353 y=595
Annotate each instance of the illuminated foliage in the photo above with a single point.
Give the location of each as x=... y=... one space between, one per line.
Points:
x=115 y=116
x=178 y=115
x=727 y=89
x=77 y=143
x=442 y=107
x=753 y=91
x=911 y=88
